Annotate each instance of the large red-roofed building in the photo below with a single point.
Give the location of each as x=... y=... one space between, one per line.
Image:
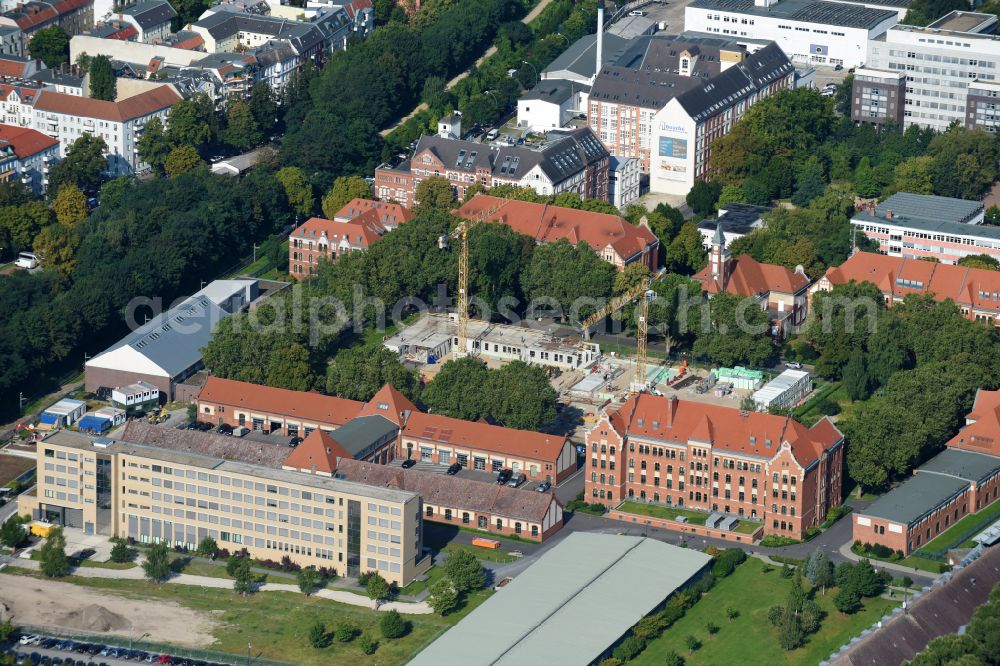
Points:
x=754 y=466
x=617 y=241
x=33 y=151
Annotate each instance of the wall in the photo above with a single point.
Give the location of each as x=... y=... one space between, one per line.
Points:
x=693 y=530
x=95 y=377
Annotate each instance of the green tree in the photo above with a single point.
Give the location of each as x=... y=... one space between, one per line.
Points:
x=443 y=597
x=56 y=246
x=965 y=162
x=308 y=578
x=456 y=390
x=192 y=122
x=318 y=636
x=70 y=206
x=737 y=331
x=686 y=253
x=842 y=96
x=242 y=131
x=207 y=547
x=377 y=588
x=520 y=396
x=345 y=632
x=983 y=261
x=264 y=106
x=343 y=191
x=634 y=275
x=703 y=195
x=923 y=12
x=434 y=193
x=103 y=83
x=244 y=580
x=182 y=159
x=82 y=166
x=730 y=194
x=154 y=145
x=358 y=373
x=562 y=277
x=367 y=644
x=809 y=182
x=913 y=175
x=847 y=601
x=12 y=532
x=290 y=368
x=811 y=616
x=671 y=658
x=54 y=562
x=120 y=552
x=465 y=571
x=865 y=180
x=392 y=625
x=50 y=45
x=856 y=376
x=157 y=563
x=790 y=633
x=298 y=189
x=731 y=613
x=692 y=643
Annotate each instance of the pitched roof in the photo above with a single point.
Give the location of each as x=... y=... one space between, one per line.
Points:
x=205 y=443
x=391 y=404
x=25 y=141
x=484 y=437
x=982 y=430
x=749 y=277
x=976 y=288
x=137 y=106
x=388 y=214
x=547 y=224
x=305 y=405
x=452 y=491
x=318 y=452
x=581 y=57
x=727 y=428
x=150 y=13
x=360 y=232
x=17 y=66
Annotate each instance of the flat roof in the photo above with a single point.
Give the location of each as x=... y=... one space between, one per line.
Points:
x=848 y=15
x=539 y=617
x=960 y=21
x=914 y=498
x=932 y=226
x=779 y=385
x=929 y=208
x=960 y=464
x=65 y=406
x=433 y=330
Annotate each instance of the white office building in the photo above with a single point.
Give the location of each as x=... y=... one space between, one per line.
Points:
x=819 y=32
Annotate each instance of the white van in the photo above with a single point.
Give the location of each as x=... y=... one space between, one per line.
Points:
x=637 y=12
x=26 y=260
x=492 y=134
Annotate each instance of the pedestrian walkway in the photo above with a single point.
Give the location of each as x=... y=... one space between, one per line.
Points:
x=912 y=572
x=341 y=596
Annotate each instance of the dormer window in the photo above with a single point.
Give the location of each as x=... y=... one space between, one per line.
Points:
x=383 y=406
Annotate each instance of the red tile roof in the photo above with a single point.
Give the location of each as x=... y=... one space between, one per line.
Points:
x=547 y=224
x=318 y=452
x=25 y=141
x=355 y=6
x=749 y=277
x=360 y=232
x=727 y=428
x=26 y=93
x=391 y=404
x=308 y=406
x=389 y=214
x=484 y=437
x=15 y=67
x=982 y=434
x=896 y=277
x=143 y=104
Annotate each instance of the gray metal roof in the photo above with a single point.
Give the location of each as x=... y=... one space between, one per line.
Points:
x=581 y=57
x=931 y=226
x=915 y=498
x=961 y=464
x=555 y=91
x=223 y=24
x=738 y=218
x=929 y=208
x=569 y=606
x=360 y=433
x=150 y=13
x=843 y=14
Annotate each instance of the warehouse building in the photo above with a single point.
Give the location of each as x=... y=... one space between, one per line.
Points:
x=784 y=391
x=64 y=413
x=603 y=582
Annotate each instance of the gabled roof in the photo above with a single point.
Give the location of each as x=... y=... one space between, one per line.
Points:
x=391 y=404
x=484 y=437
x=318 y=452
x=150 y=13
x=726 y=428
x=982 y=430
x=305 y=405
x=17 y=66
x=748 y=277
x=581 y=57
x=452 y=491
x=25 y=141
x=547 y=224
x=137 y=106
x=388 y=214
x=361 y=232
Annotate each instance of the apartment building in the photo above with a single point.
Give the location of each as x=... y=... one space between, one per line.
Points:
x=151 y=19
x=976 y=291
x=29 y=154
x=921 y=226
x=817 y=32
x=782 y=293
x=67 y=117
x=73 y=16
x=193 y=485
x=963 y=479
x=756 y=466
x=948 y=71
x=570 y=161
x=615 y=239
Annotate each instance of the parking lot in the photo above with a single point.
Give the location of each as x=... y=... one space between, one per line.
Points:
x=35 y=647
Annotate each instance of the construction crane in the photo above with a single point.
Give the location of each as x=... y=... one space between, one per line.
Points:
x=639 y=380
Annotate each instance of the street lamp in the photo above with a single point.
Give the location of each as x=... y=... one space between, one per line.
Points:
x=525 y=62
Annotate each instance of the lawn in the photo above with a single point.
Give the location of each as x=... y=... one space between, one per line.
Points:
x=481 y=553
x=278 y=622
x=668 y=513
x=434 y=574
x=750 y=639
x=950 y=537
x=91 y=564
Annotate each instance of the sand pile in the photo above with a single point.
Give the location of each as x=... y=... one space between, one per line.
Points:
x=93 y=618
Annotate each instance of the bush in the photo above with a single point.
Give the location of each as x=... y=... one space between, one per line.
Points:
x=318 y=638
x=828 y=407
x=712 y=628
x=121 y=553
x=776 y=540
x=629 y=648
x=393 y=625
x=345 y=632
x=775 y=615
x=786 y=571
x=368 y=644
x=732 y=613
x=671 y=658
x=692 y=643
x=727 y=561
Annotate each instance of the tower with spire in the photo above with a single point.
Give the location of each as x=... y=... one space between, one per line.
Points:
x=719 y=259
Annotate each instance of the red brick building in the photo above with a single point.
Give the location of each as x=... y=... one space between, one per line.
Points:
x=755 y=466
x=612 y=237
x=963 y=479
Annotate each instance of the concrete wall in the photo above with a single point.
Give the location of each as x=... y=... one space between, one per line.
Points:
x=694 y=530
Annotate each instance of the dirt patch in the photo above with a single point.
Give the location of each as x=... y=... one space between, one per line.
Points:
x=54 y=604
x=12 y=467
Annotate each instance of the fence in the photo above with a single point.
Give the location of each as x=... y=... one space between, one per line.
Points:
x=119 y=641
x=942 y=554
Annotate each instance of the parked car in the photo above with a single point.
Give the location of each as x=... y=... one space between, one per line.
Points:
x=516 y=480
x=503 y=476
x=29 y=639
x=795 y=365
x=408 y=463
x=838 y=67
x=454 y=469
x=163 y=659
x=203 y=426
x=224 y=429
x=543 y=486
x=637 y=13
x=26 y=260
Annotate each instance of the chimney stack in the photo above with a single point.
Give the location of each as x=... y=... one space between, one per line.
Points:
x=600 y=37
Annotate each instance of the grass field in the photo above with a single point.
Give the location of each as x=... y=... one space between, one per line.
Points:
x=750 y=639
x=12 y=467
x=278 y=622
x=434 y=574
x=667 y=513
x=481 y=553
x=950 y=536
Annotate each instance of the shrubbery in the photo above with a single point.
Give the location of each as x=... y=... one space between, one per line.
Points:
x=727 y=561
